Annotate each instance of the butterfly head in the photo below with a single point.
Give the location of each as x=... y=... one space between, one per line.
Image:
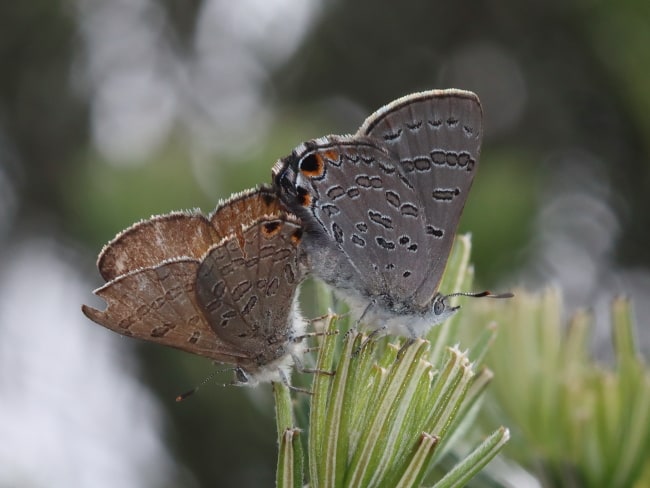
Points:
x=443 y=310
x=441 y=307
x=291 y=175
x=284 y=175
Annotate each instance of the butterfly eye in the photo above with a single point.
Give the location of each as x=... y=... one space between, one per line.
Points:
x=438 y=305
x=241 y=376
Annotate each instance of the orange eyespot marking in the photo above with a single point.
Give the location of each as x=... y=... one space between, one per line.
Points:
x=312 y=165
x=296 y=237
x=304 y=198
x=268 y=199
x=331 y=155
x=269 y=229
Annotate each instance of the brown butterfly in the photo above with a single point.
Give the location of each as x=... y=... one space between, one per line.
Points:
x=222 y=286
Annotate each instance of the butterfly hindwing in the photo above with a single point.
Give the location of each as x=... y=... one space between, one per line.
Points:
x=246 y=287
x=159 y=305
x=435 y=137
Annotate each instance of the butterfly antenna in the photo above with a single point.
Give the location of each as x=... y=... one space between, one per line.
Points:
x=191 y=392
x=481 y=294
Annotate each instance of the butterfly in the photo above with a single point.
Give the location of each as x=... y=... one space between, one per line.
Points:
x=222 y=286
x=380 y=208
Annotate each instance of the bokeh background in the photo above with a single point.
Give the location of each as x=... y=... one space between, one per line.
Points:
x=114 y=110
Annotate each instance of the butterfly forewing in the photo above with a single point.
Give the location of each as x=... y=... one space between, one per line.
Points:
x=150 y=242
x=242 y=209
x=182 y=234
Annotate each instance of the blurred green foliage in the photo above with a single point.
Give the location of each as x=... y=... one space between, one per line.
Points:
x=575 y=420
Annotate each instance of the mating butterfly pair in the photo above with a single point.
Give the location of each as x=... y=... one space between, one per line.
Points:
x=375 y=217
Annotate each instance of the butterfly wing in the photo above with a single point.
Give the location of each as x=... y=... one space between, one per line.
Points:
x=354 y=194
x=150 y=242
x=246 y=287
x=435 y=137
x=181 y=234
x=382 y=207
x=159 y=305
x=243 y=208
x=151 y=269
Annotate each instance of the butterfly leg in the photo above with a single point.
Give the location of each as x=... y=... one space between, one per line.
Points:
x=330 y=314
x=297 y=389
x=308 y=335
x=300 y=367
x=373 y=335
x=302 y=337
x=355 y=327
x=404 y=347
